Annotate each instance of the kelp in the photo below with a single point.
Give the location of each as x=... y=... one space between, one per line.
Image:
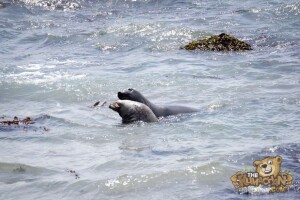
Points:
x=17 y=121
x=222 y=42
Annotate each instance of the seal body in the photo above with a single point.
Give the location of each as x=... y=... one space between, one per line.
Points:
x=159 y=111
x=132 y=111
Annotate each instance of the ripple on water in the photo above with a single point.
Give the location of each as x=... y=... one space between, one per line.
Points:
x=60 y=61
x=53 y=4
x=201 y=174
x=21 y=173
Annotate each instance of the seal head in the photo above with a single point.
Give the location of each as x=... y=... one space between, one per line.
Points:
x=132 y=111
x=133 y=95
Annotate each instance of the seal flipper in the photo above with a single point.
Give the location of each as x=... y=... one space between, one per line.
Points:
x=128 y=118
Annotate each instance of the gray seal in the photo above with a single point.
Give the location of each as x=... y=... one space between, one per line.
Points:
x=159 y=111
x=132 y=111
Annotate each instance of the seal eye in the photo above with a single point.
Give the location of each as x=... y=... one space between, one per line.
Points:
x=130 y=89
x=270 y=162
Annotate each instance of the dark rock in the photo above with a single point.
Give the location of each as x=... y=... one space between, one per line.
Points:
x=222 y=42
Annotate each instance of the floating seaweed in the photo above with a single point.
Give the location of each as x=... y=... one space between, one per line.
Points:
x=103 y=104
x=98 y=104
x=19 y=169
x=73 y=172
x=222 y=42
x=45 y=129
x=17 y=121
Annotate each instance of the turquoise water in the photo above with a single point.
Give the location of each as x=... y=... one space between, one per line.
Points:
x=58 y=59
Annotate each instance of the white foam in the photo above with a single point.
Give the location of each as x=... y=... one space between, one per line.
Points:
x=38 y=77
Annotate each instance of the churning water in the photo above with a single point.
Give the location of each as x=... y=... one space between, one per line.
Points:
x=58 y=57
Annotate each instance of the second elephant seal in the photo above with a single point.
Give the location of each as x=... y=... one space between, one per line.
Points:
x=132 y=111
x=159 y=111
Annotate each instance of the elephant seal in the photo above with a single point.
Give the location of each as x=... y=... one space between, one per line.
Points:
x=134 y=95
x=132 y=111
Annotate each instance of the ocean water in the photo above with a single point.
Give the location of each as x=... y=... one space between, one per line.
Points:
x=59 y=57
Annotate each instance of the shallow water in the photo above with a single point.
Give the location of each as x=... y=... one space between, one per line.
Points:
x=57 y=60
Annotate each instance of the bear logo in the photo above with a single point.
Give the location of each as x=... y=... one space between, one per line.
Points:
x=267 y=173
x=269 y=166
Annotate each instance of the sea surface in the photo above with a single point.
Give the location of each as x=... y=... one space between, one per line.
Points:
x=59 y=57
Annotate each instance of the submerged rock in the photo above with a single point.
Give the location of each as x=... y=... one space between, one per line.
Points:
x=222 y=42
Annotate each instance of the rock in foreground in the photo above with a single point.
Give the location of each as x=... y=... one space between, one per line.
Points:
x=222 y=42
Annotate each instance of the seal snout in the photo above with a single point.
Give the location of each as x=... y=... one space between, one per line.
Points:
x=121 y=95
x=114 y=106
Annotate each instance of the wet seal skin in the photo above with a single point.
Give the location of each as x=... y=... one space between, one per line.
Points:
x=132 y=111
x=159 y=111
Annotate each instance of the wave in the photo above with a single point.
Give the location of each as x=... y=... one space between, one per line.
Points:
x=51 y=4
x=15 y=172
x=21 y=168
x=205 y=173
